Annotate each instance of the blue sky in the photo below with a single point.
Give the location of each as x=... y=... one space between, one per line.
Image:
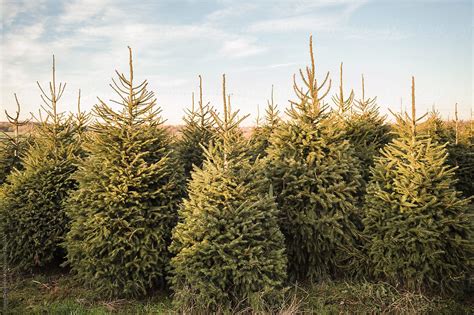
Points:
x=255 y=43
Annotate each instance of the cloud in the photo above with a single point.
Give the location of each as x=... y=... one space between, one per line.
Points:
x=267 y=67
x=294 y=23
x=230 y=12
x=12 y=9
x=308 y=16
x=241 y=47
x=82 y=11
x=375 y=34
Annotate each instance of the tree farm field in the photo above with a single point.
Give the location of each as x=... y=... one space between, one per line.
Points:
x=237 y=157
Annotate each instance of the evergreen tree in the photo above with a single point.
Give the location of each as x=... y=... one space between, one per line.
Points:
x=436 y=129
x=31 y=203
x=461 y=153
x=364 y=127
x=129 y=188
x=418 y=228
x=196 y=134
x=12 y=148
x=461 y=156
x=229 y=249
x=315 y=177
x=260 y=138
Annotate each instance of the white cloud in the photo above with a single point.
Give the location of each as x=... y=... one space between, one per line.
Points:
x=241 y=47
x=294 y=23
x=230 y=12
x=82 y=11
x=11 y=9
x=305 y=15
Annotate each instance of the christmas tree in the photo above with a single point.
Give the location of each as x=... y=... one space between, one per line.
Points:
x=129 y=188
x=229 y=249
x=418 y=228
x=315 y=177
x=12 y=147
x=436 y=129
x=364 y=127
x=461 y=155
x=259 y=139
x=196 y=134
x=32 y=200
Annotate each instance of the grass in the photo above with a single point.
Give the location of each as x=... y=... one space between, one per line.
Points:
x=59 y=293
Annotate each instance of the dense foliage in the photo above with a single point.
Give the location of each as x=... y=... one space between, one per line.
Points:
x=13 y=146
x=125 y=206
x=229 y=249
x=196 y=135
x=418 y=227
x=315 y=176
x=366 y=130
x=32 y=200
x=260 y=137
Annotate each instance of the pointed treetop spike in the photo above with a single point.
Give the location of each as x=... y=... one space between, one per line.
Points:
x=413 y=106
x=79 y=102
x=363 y=88
x=258 y=115
x=311 y=53
x=200 y=93
x=457 y=122
x=131 y=65
x=341 y=89
x=225 y=98
x=17 y=106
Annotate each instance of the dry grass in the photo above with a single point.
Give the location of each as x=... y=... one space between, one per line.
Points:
x=58 y=293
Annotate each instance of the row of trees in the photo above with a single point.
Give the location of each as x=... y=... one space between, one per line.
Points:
x=227 y=221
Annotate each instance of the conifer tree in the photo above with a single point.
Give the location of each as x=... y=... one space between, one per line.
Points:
x=196 y=134
x=260 y=138
x=12 y=147
x=461 y=155
x=129 y=188
x=32 y=200
x=229 y=249
x=418 y=228
x=435 y=128
x=365 y=128
x=315 y=177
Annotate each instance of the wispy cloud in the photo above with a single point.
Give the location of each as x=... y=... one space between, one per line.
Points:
x=325 y=16
x=241 y=47
x=293 y=23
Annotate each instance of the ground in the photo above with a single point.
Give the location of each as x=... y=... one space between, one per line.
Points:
x=58 y=293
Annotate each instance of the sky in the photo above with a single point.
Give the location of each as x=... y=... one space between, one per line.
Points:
x=257 y=44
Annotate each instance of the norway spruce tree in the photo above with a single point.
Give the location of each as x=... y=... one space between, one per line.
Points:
x=315 y=177
x=229 y=249
x=129 y=188
x=418 y=227
x=12 y=147
x=260 y=138
x=436 y=129
x=32 y=200
x=364 y=127
x=196 y=134
x=461 y=155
